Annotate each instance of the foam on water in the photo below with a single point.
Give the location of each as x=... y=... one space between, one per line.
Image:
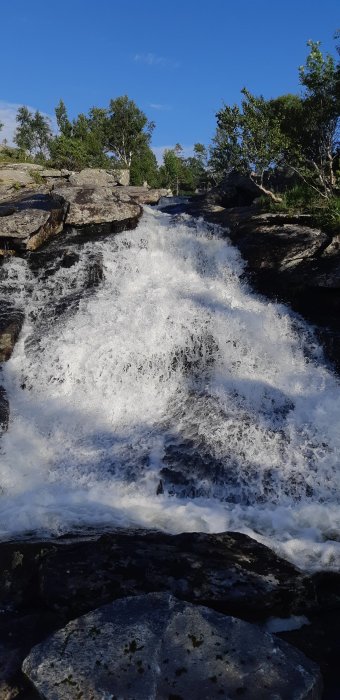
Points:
x=171 y=368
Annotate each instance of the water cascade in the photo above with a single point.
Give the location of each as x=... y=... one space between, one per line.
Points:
x=168 y=396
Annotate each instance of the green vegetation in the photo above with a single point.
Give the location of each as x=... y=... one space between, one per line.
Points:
x=184 y=175
x=293 y=137
x=117 y=136
x=288 y=145
x=33 y=134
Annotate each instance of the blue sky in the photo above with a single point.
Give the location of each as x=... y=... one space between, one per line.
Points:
x=178 y=60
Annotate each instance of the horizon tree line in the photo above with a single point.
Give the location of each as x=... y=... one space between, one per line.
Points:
x=296 y=133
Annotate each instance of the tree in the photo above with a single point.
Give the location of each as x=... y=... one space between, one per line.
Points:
x=33 y=133
x=63 y=122
x=79 y=143
x=42 y=134
x=126 y=129
x=144 y=168
x=298 y=132
x=23 y=137
x=248 y=139
x=320 y=136
x=172 y=167
x=106 y=137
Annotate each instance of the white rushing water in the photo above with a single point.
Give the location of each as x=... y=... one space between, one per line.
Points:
x=172 y=369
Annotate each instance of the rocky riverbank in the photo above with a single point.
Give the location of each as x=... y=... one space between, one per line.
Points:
x=34 y=210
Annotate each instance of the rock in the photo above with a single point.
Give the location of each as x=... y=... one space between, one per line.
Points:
x=4 y=413
x=235 y=190
x=30 y=219
x=97 y=177
x=144 y=195
x=11 y=320
x=91 y=206
x=280 y=243
x=19 y=174
x=154 y=646
x=51 y=172
x=229 y=572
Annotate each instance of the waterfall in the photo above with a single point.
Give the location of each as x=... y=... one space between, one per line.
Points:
x=168 y=395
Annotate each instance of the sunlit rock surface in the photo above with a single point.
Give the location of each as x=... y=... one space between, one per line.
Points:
x=30 y=219
x=93 y=205
x=155 y=647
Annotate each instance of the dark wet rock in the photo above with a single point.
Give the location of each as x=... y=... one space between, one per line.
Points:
x=155 y=646
x=4 y=412
x=30 y=219
x=320 y=639
x=230 y=572
x=11 y=320
x=293 y=261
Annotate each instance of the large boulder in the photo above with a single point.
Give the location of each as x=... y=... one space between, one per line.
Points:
x=94 y=206
x=155 y=647
x=98 y=177
x=30 y=219
x=235 y=190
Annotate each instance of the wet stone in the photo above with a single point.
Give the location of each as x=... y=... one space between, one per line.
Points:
x=155 y=647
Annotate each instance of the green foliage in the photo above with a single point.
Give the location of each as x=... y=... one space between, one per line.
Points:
x=64 y=124
x=35 y=175
x=33 y=133
x=248 y=138
x=327 y=216
x=171 y=168
x=115 y=136
x=299 y=133
x=144 y=168
x=8 y=154
x=184 y=175
x=123 y=129
x=302 y=199
x=74 y=153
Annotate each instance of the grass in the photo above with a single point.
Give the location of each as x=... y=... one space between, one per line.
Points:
x=325 y=213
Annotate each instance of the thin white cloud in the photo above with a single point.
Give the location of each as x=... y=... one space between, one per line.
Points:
x=8 y=111
x=159 y=150
x=159 y=107
x=151 y=59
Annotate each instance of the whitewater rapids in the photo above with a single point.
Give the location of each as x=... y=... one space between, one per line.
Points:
x=172 y=375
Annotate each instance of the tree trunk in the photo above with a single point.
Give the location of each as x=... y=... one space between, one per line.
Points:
x=268 y=193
